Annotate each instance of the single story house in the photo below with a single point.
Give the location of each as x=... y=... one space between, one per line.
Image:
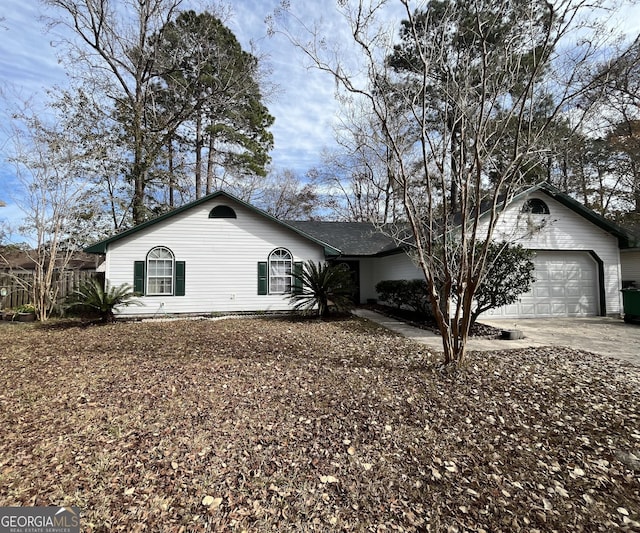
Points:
x=220 y=254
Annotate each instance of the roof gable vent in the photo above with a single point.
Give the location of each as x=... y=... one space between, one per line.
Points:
x=535 y=206
x=222 y=211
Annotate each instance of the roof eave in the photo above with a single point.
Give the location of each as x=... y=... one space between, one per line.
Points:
x=102 y=246
x=624 y=237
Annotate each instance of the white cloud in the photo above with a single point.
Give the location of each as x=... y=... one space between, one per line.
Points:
x=27 y=59
x=303 y=105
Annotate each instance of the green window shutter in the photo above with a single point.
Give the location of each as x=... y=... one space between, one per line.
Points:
x=263 y=280
x=138 y=277
x=297 y=282
x=180 y=278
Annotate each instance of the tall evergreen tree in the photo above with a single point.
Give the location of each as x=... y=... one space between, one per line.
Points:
x=472 y=44
x=204 y=68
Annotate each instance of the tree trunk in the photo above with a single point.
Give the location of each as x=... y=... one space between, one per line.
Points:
x=198 y=154
x=210 y=169
x=171 y=176
x=138 y=194
x=139 y=171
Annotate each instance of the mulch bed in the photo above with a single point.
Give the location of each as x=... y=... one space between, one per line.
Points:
x=427 y=322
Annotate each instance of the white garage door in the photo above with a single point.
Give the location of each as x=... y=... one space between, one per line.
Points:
x=566 y=285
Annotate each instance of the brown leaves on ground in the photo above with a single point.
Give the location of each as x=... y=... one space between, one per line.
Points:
x=276 y=424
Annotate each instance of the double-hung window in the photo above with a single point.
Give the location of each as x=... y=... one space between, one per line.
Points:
x=159 y=274
x=280 y=268
x=160 y=271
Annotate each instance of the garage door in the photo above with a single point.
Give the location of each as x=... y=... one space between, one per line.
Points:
x=566 y=285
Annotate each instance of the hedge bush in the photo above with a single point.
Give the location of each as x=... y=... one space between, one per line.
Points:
x=402 y=293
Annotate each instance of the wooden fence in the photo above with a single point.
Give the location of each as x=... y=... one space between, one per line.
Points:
x=17 y=285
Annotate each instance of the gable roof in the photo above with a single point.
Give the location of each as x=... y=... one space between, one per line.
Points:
x=352 y=238
x=625 y=238
x=101 y=247
x=363 y=238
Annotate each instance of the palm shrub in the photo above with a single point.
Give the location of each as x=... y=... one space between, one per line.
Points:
x=93 y=296
x=322 y=287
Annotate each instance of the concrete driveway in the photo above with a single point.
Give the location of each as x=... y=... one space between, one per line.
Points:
x=601 y=335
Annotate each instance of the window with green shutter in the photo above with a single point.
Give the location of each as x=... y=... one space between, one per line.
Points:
x=159 y=275
x=180 y=278
x=138 y=277
x=263 y=283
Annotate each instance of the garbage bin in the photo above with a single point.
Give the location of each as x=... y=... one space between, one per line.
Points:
x=631 y=305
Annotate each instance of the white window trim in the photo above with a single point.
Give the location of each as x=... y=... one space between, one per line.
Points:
x=284 y=276
x=173 y=273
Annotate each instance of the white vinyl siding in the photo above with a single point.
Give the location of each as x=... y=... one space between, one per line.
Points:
x=564 y=230
x=561 y=230
x=630 y=262
x=374 y=270
x=221 y=256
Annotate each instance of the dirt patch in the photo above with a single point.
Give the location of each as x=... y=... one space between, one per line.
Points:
x=292 y=425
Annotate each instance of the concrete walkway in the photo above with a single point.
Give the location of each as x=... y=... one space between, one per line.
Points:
x=602 y=335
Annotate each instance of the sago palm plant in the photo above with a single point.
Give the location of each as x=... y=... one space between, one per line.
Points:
x=323 y=287
x=93 y=296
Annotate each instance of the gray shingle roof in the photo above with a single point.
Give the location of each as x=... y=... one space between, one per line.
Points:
x=351 y=238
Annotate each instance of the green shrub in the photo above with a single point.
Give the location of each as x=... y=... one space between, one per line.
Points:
x=510 y=274
x=26 y=308
x=402 y=293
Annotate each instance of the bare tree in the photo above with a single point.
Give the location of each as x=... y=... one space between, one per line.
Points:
x=52 y=196
x=114 y=45
x=357 y=172
x=458 y=103
x=620 y=98
x=286 y=196
x=99 y=137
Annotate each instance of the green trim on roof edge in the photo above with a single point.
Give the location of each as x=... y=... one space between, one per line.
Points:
x=625 y=238
x=101 y=247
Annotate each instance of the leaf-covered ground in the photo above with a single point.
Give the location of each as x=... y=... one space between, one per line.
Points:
x=283 y=425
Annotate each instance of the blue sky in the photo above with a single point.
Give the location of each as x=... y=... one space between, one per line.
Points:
x=303 y=103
